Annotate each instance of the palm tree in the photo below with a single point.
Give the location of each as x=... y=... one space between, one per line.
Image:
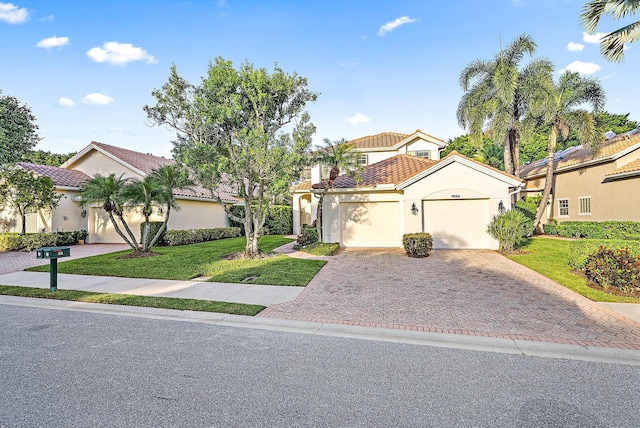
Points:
x=338 y=156
x=497 y=96
x=168 y=178
x=612 y=45
x=108 y=191
x=560 y=109
x=146 y=193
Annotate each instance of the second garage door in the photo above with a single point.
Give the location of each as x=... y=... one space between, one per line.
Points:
x=370 y=224
x=458 y=223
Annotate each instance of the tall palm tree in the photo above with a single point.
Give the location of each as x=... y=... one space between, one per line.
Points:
x=612 y=45
x=108 y=191
x=498 y=93
x=338 y=156
x=560 y=109
x=145 y=192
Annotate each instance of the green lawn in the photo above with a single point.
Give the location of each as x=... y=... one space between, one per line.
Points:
x=205 y=259
x=321 y=248
x=131 y=300
x=550 y=258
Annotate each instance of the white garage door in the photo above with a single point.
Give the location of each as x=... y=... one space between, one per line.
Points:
x=101 y=230
x=370 y=224
x=457 y=223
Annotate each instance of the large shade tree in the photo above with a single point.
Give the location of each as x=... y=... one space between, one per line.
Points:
x=337 y=156
x=562 y=109
x=612 y=44
x=497 y=95
x=18 y=130
x=243 y=131
x=22 y=192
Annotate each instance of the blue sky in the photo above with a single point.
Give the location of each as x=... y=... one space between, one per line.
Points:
x=86 y=69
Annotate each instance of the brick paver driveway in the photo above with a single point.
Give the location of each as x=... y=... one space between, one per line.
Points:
x=471 y=292
x=13 y=261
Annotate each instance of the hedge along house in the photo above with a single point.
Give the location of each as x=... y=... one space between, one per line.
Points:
x=197 y=208
x=372 y=149
x=453 y=199
x=590 y=186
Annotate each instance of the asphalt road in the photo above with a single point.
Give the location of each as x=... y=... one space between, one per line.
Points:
x=76 y=369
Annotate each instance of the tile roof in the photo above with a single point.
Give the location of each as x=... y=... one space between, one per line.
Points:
x=379 y=141
x=630 y=167
x=574 y=156
x=142 y=161
x=303 y=185
x=393 y=170
x=60 y=176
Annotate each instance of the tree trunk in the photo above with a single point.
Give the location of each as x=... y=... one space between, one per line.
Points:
x=319 y=216
x=251 y=232
x=134 y=241
x=161 y=229
x=508 y=165
x=119 y=232
x=515 y=151
x=23 y=216
x=548 y=181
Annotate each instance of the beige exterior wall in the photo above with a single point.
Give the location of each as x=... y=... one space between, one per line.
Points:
x=95 y=162
x=67 y=216
x=612 y=200
x=198 y=215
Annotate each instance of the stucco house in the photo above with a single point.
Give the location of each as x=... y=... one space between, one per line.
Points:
x=453 y=198
x=197 y=208
x=590 y=186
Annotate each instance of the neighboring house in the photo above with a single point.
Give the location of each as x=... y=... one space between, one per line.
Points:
x=453 y=198
x=197 y=209
x=372 y=149
x=592 y=186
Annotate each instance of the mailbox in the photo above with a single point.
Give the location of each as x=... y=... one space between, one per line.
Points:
x=53 y=254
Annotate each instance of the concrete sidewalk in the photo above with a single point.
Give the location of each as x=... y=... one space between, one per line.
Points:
x=265 y=295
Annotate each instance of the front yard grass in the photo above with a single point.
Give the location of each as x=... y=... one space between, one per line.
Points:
x=205 y=259
x=132 y=300
x=550 y=257
x=321 y=248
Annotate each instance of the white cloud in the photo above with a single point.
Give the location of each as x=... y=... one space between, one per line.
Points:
x=582 y=67
x=575 y=47
x=592 y=38
x=390 y=26
x=47 y=19
x=53 y=42
x=66 y=102
x=119 y=54
x=358 y=118
x=99 y=99
x=12 y=14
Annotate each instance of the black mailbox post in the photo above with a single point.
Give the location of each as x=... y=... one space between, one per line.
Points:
x=53 y=253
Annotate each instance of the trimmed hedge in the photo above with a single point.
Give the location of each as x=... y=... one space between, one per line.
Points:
x=193 y=236
x=581 y=249
x=417 y=244
x=279 y=221
x=308 y=236
x=595 y=229
x=31 y=241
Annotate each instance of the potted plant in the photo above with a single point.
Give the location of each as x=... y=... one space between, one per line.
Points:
x=80 y=236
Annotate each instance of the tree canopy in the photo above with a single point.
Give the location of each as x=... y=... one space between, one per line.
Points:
x=22 y=192
x=45 y=157
x=612 y=45
x=18 y=129
x=242 y=131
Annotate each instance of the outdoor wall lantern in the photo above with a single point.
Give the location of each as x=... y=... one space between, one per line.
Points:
x=83 y=213
x=501 y=207
x=414 y=209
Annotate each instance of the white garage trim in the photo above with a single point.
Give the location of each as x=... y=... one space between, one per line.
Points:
x=369 y=224
x=457 y=223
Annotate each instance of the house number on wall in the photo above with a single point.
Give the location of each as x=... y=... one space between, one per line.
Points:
x=455 y=196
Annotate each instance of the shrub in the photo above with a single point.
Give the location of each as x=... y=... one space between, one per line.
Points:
x=595 y=229
x=580 y=249
x=308 y=236
x=417 y=244
x=193 y=236
x=153 y=229
x=613 y=268
x=550 y=228
x=278 y=222
x=529 y=207
x=31 y=241
x=510 y=229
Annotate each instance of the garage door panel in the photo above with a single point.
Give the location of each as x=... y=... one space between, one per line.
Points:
x=457 y=223
x=370 y=224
